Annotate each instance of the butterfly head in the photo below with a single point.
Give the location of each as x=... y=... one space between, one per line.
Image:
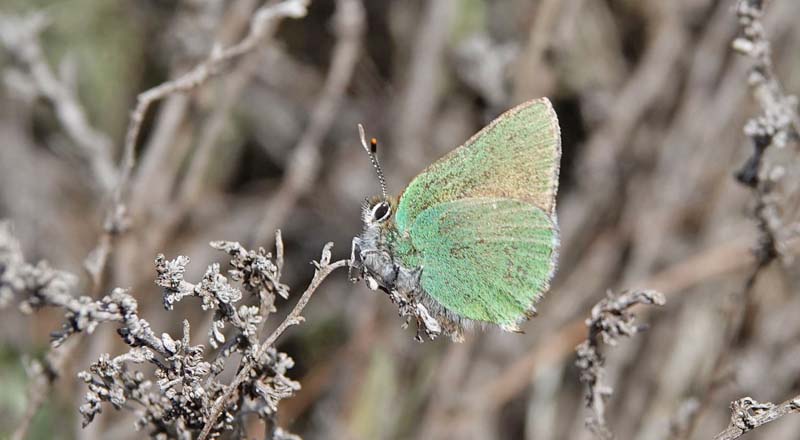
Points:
x=378 y=211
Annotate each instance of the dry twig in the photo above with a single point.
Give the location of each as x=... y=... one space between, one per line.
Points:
x=36 y=285
x=323 y=268
x=748 y=414
x=609 y=321
x=772 y=170
x=349 y=24
x=421 y=92
x=21 y=37
x=264 y=19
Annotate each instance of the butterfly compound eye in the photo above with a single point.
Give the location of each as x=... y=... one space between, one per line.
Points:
x=381 y=212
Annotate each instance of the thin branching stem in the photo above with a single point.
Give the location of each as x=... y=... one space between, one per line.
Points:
x=747 y=414
x=324 y=268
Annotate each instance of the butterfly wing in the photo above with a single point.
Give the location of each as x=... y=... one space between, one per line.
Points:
x=486 y=259
x=516 y=156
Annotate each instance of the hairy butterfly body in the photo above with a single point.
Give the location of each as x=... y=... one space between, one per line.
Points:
x=474 y=237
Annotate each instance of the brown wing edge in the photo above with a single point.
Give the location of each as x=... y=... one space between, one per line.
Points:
x=531 y=311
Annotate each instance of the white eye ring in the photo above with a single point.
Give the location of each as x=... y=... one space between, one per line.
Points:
x=381 y=212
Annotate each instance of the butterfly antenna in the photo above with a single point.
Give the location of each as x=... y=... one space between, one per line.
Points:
x=372 y=148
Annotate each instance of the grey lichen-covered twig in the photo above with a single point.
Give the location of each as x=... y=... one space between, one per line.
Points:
x=256 y=270
x=34 y=285
x=47 y=287
x=748 y=414
x=324 y=267
x=38 y=283
x=773 y=170
x=610 y=320
x=185 y=395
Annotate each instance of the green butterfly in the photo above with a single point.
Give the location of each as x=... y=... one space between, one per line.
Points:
x=474 y=237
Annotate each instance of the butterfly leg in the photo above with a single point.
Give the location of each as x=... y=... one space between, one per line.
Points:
x=356 y=261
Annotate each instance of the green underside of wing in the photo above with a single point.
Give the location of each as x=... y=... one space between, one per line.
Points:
x=517 y=156
x=486 y=259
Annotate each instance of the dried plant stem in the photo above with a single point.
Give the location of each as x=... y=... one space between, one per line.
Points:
x=349 y=24
x=531 y=63
x=323 y=268
x=261 y=25
x=36 y=286
x=21 y=37
x=420 y=94
x=609 y=321
x=230 y=92
x=777 y=125
x=747 y=414
x=191 y=188
x=632 y=102
x=174 y=112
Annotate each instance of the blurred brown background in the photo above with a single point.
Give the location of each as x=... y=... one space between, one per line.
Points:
x=651 y=100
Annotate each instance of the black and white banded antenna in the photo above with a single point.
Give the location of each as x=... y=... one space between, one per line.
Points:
x=372 y=148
